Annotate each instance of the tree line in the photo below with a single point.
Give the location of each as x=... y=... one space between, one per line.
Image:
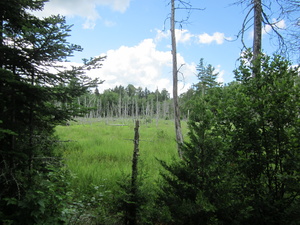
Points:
x=129 y=101
x=124 y=102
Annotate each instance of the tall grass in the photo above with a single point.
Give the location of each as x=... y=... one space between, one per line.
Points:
x=99 y=152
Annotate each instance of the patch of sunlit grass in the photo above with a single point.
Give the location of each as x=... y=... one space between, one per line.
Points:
x=100 y=152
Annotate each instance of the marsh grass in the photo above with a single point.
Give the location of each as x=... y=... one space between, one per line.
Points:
x=99 y=152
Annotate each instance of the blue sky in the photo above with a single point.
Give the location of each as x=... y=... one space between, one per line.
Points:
x=134 y=35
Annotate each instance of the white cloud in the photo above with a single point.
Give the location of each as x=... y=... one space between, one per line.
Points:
x=220 y=77
x=109 y=23
x=182 y=35
x=208 y=39
x=267 y=29
x=185 y=36
x=82 y=8
x=162 y=35
x=143 y=66
x=277 y=24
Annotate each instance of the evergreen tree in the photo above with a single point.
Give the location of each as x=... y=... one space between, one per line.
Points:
x=33 y=101
x=265 y=142
x=206 y=76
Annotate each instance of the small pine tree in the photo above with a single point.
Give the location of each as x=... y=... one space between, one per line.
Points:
x=206 y=76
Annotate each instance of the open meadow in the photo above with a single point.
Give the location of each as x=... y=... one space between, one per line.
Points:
x=98 y=152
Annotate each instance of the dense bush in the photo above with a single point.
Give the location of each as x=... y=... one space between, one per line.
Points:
x=242 y=163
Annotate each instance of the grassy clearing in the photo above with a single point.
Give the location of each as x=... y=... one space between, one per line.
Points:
x=100 y=152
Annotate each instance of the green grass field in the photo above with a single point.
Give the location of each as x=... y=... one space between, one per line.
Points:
x=99 y=151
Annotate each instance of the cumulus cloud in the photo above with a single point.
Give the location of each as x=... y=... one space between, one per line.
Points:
x=208 y=39
x=185 y=36
x=160 y=34
x=182 y=35
x=143 y=66
x=220 y=77
x=82 y=8
x=267 y=29
x=277 y=24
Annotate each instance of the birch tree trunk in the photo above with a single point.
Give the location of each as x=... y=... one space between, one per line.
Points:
x=178 y=132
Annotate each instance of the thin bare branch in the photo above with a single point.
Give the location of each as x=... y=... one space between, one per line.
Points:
x=182 y=75
x=184 y=5
x=245 y=27
x=191 y=8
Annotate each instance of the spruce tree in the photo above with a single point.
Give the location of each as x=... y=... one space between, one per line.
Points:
x=33 y=101
x=207 y=77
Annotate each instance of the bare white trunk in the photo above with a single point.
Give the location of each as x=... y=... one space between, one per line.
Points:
x=179 y=137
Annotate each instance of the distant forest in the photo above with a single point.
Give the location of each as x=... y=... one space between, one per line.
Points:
x=137 y=102
x=126 y=102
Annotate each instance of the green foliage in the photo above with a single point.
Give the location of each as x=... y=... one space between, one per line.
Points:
x=207 y=79
x=99 y=154
x=44 y=202
x=88 y=207
x=266 y=140
x=33 y=101
x=241 y=165
x=206 y=76
x=194 y=189
x=124 y=200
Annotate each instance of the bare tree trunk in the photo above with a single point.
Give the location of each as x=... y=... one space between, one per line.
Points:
x=125 y=108
x=136 y=108
x=157 y=109
x=257 y=30
x=164 y=105
x=107 y=110
x=178 y=132
x=99 y=108
x=120 y=107
x=133 y=108
x=151 y=108
x=147 y=110
x=132 y=207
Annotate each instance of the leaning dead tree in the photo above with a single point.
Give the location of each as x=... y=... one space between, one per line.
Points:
x=179 y=137
x=186 y=6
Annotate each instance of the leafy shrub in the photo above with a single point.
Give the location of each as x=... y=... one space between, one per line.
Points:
x=242 y=163
x=45 y=201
